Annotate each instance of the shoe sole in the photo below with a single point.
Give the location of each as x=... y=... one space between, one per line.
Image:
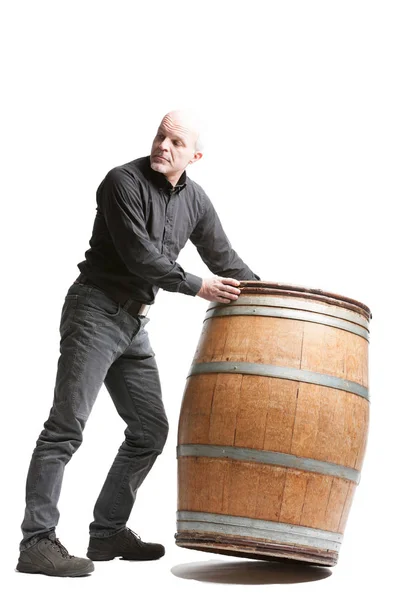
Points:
x=31 y=569
x=99 y=556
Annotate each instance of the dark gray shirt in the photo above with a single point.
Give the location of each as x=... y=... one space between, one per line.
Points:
x=142 y=223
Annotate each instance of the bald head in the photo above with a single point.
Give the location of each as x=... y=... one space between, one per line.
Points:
x=186 y=122
x=176 y=145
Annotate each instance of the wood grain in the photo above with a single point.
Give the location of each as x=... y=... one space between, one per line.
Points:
x=275 y=415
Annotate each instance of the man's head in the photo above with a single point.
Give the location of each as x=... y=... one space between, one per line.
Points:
x=176 y=145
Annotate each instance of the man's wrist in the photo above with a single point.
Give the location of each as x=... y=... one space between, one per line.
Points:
x=191 y=286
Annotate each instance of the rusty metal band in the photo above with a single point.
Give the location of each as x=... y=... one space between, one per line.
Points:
x=290 y=373
x=286 y=313
x=296 y=304
x=277 y=459
x=259 y=529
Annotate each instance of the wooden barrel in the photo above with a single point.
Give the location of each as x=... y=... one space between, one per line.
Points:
x=273 y=425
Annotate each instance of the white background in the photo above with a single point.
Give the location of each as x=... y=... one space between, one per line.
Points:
x=301 y=105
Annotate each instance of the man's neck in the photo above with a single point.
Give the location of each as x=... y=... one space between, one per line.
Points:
x=174 y=178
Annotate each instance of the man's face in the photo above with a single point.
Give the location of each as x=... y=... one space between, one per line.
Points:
x=174 y=147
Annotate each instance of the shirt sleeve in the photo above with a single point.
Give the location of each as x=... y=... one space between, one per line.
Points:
x=215 y=249
x=120 y=201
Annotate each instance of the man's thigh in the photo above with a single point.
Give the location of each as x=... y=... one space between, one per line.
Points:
x=94 y=331
x=134 y=386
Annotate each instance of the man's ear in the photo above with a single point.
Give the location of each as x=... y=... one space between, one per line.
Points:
x=197 y=156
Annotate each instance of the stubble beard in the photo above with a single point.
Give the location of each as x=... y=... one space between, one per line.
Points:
x=159 y=166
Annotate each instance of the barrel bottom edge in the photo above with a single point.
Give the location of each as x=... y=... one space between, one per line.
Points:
x=254 y=549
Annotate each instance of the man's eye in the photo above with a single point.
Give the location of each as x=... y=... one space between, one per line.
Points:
x=177 y=143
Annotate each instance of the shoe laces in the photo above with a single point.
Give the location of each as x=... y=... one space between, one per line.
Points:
x=62 y=549
x=134 y=533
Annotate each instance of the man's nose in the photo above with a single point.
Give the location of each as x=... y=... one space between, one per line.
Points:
x=164 y=145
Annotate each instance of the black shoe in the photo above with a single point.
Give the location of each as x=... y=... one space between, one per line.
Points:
x=125 y=544
x=49 y=557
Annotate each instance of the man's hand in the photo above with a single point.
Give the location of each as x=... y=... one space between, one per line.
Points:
x=219 y=289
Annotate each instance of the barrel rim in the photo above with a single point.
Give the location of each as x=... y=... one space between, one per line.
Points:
x=263 y=287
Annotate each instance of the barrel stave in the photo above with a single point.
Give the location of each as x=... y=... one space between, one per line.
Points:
x=277 y=494
x=264 y=413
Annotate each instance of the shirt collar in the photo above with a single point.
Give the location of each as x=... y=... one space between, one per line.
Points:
x=162 y=182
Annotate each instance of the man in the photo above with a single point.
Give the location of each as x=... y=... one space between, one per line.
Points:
x=147 y=209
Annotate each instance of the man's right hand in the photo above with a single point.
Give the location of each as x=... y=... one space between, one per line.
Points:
x=219 y=289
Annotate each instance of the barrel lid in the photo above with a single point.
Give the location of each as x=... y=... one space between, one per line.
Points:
x=283 y=289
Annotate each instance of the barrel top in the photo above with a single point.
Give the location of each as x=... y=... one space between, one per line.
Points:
x=283 y=289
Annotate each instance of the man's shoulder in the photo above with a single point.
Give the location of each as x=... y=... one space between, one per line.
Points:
x=195 y=187
x=129 y=176
x=137 y=168
x=198 y=193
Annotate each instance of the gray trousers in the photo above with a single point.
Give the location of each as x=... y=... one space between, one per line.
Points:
x=100 y=342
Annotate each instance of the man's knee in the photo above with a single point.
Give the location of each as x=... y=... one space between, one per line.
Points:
x=162 y=435
x=150 y=437
x=60 y=439
x=156 y=438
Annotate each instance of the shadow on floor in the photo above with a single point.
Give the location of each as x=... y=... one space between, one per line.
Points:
x=244 y=572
